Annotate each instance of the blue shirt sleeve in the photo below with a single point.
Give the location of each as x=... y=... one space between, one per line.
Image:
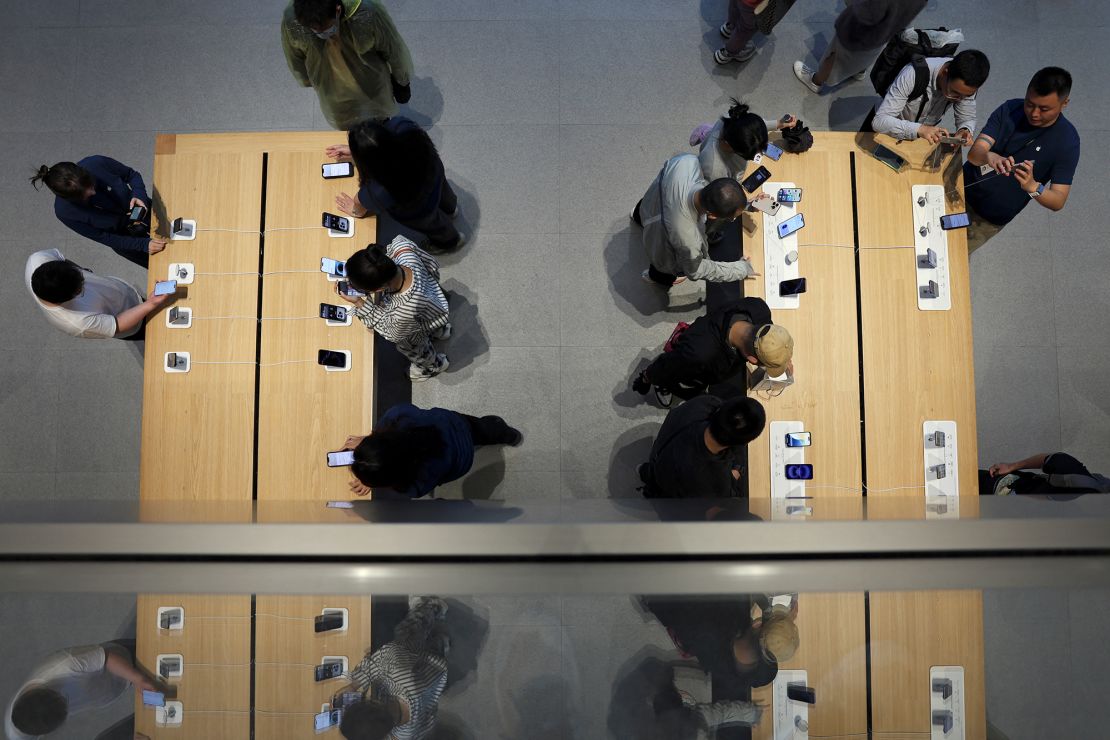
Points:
x=1000 y=124
x=118 y=242
x=125 y=173
x=1063 y=169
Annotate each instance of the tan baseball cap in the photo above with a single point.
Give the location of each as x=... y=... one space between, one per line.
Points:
x=774 y=347
x=779 y=637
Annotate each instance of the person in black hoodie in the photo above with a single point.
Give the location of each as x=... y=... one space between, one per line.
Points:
x=715 y=347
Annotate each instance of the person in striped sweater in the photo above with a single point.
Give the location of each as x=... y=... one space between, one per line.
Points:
x=403 y=302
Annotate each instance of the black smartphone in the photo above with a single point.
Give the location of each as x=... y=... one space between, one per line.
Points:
x=336 y=223
x=345 y=699
x=773 y=151
x=954 y=221
x=178 y=225
x=792 y=287
x=345 y=288
x=171 y=363
x=332 y=313
x=169 y=619
x=331 y=358
x=800 y=471
x=889 y=158
x=752 y=182
x=324 y=671
x=328 y=622
x=801 y=692
x=336 y=169
x=138 y=213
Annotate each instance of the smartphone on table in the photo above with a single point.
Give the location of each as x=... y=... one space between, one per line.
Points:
x=790 y=225
x=333 y=267
x=799 y=472
x=165 y=287
x=344 y=287
x=790 y=195
x=325 y=671
x=797 y=439
x=336 y=223
x=331 y=718
x=337 y=169
x=328 y=622
x=889 y=158
x=792 y=287
x=954 y=221
x=331 y=358
x=340 y=458
x=773 y=151
x=752 y=182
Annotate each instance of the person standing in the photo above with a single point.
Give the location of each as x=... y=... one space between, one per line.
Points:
x=741 y=27
x=403 y=302
x=1028 y=151
x=673 y=214
x=951 y=82
x=862 y=30
x=350 y=52
x=401 y=681
x=94 y=197
x=86 y=305
x=401 y=172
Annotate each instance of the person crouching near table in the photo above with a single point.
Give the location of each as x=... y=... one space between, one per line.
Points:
x=413 y=450
x=403 y=302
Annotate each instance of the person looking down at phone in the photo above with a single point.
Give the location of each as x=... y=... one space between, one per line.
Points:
x=715 y=348
x=83 y=304
x=73 y=681
x=673 y=214
x=401 y=681
x=350 y=52
x=1062 y=477
x=401 y=172
x=1028 y=151
x=952 y=82
x=696 y=453
x=403 y=302
x=413 y=450
x=95 y=197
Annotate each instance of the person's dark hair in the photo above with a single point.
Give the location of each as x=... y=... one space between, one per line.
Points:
x=723 y=197
x=1051 y=80
x=57 y=281
x=737 y=421
x=371 y=269
x=971 y=66
x=370 y=719
x=392 y=457
x=744 y=131
x=65 y=179
x=404 y=164
x=39 y=711
x=316 y=13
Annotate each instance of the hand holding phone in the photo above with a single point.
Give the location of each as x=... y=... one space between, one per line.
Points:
x=753 y=181
x=766 y=204
x=165 y=287
x=341 y=458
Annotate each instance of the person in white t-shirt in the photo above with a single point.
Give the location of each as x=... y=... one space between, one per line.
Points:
x=83 y=304
x=70 y=681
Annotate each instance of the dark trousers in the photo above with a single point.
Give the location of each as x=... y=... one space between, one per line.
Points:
x=490 y=430
x=437 y=224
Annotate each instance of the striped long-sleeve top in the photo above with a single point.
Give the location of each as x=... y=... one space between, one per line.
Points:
x=419 y=310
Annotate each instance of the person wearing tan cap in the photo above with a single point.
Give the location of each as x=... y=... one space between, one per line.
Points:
x=715 y=348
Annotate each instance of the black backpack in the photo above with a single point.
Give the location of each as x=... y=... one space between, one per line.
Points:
x=898 y=53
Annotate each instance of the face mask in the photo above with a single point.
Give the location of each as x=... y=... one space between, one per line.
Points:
x=325 y=35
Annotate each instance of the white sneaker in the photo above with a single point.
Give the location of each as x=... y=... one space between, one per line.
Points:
x=805 y=76
x=860 y=75
x=416 y=375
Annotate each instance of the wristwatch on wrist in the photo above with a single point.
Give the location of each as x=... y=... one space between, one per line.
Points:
x=1036 y=193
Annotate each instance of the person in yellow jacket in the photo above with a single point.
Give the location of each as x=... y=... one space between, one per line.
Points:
x=351 y=53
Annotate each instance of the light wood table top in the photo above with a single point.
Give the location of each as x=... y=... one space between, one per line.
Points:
x=287 y=650
x=917 y=365
x=198 y=438
x=304 y=410
x=215 y=645
x=825 y=393
x=833 y=651
x=912 y=631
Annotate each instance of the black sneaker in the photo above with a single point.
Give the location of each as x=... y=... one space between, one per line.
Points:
x=665 y=398
x=516 y=437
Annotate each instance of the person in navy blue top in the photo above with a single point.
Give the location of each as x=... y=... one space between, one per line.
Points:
x=413 y=450
x=94 y=197
x=400 y=172
x=1027 y=151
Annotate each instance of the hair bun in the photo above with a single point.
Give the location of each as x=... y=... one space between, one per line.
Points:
x=737 y=108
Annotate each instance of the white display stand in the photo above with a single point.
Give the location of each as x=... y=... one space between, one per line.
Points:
x=182 y=272
x=928 y=206
x=775 y=269
x=341 y=659
x=791 y=718
x=334 y=234
x=180 y=368
x=783 y=489
x=179 y=623
x=186 y=313
x=940 y=481
x=350 y=313
x=188 y=231
x=940 y=706
x=347 y=368
x=180 y=670
x=169 y=715
x=337 y=610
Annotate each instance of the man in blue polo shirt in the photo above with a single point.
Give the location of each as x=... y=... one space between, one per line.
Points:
x=1027 y=151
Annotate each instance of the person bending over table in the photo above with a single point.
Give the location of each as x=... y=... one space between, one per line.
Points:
x=401 y=173
x=94 y=197
x=413 y=450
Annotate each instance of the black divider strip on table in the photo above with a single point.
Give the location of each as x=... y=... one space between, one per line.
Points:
x=859 y=332
x=258 y=357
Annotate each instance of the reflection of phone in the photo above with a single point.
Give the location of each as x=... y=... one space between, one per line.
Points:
x=333 y=267
x=339 y=505
x=952 y=140
x=165 y=287
x=332 y=313
x=324 y=720
x=336 y=223
x=773 y=151
x=889 y=158
x=340 y=458
x=138 y=213
x=799 y=472
x=797 y=439
x=954 y=221
x=790 y=195
x=792 y=287
x=178 y=225
x=346 y=699
x=767 y=205
x=331 y=358
x=171 y=363
x=328 y=622
x=170 y=618
x=338 y=169
x=345 y=288
x=752 y=182
x=324 y=671
x=801 y=692
x=153 y=698
x=790 y=225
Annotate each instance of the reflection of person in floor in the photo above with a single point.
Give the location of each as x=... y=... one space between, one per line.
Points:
x=401 y=682
x=738 y=645
x=682 y=716
x=1062 y=477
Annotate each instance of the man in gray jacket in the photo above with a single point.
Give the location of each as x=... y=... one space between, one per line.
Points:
x=673 y=213
x=913 y=108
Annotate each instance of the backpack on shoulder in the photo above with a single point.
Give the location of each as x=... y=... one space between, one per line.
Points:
x=913 y=46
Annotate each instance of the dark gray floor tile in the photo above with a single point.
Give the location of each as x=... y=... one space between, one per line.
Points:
x=29 y=406
x=27 y=486
x=473 y=10
x=86 y=486
x=38 y=93
x=1017 y=402
x=1085 y=403
x=191 y=17
x=1068 y=14
x=1071 y=49
x=41 y=15
x=1011 y=277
